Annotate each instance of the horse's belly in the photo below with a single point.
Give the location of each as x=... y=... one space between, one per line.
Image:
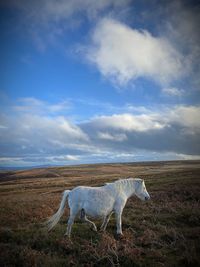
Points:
x=96 y=210
x=98 y=206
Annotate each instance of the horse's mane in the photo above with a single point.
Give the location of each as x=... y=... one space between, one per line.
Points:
x=124 y=182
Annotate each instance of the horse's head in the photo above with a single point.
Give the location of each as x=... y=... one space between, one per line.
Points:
x=141 y=191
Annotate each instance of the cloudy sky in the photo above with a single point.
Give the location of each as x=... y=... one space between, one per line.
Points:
x=99 y=81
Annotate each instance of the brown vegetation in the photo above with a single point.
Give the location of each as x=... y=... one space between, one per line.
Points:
x=163 y=232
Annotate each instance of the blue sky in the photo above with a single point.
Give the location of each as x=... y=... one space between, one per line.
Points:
x=106 y=81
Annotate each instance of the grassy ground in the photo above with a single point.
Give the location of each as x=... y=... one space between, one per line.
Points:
x=162 y=232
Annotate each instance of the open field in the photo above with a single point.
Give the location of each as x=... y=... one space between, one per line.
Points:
x=162 y=232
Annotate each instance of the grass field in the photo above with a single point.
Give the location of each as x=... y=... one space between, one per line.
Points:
x=162 y=232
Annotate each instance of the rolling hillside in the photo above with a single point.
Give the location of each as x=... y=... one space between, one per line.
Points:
x=163 y=232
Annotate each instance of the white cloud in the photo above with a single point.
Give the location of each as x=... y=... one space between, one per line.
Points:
x=36 y=134
x=123 y=54
x=187 y=116
x=172 y=91
x=46 y=21
x=34 y=105
x=71 y=157
x=174 y=129
x=34 y=139
x=45 y=11
x=182 y=28
x=63 y=9
x=112 y=137
x=148 y=120
x=128 y=122
x=63 y=158
x=3 y=127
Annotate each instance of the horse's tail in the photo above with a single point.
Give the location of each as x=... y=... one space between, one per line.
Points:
x=56 y=217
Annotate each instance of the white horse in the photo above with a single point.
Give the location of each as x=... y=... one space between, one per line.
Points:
x=99 y=202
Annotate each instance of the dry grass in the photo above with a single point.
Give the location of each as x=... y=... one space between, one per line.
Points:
x=162 y=232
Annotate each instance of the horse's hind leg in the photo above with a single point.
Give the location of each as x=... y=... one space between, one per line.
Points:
x=85 y=219
x=105 y=222
x=70 y=222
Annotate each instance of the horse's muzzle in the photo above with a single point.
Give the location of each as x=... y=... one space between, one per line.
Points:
x=147 y=198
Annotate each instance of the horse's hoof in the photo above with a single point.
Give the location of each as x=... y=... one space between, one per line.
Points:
x=119 y=236
x=67 y=236
x=68 y=239
x=93 y=228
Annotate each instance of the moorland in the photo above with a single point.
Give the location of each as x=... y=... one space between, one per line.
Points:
x=162 y=232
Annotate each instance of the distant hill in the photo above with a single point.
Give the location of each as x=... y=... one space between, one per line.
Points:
x=28 y=168
x=108 y=170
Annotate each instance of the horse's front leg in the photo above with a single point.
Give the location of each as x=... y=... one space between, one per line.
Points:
x=118 y=215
